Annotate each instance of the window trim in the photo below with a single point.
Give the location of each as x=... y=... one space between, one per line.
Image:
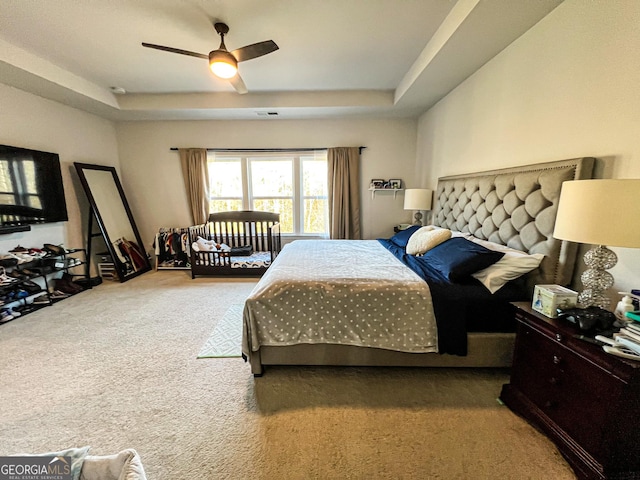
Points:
x=297 y=198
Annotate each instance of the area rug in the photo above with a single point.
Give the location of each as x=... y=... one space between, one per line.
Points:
x=226 y=339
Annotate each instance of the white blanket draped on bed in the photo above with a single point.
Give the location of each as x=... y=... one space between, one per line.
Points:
x=350 y=292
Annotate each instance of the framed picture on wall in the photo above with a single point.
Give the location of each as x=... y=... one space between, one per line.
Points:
x=395 y=183
x=376 y=183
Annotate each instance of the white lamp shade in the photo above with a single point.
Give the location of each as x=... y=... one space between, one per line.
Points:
x=417 y=199
x=600 y=212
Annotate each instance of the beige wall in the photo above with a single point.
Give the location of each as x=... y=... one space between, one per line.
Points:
x=153 y=179
x=30 y=121
x=570 y=87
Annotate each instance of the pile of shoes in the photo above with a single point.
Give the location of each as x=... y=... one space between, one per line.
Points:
x=21 y=255
x=17 y=269
x=37 y=261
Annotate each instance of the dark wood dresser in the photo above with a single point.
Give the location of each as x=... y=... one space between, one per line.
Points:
x=586 y=400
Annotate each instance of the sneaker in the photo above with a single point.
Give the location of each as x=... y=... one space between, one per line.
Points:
x=31 y=287
x=18 y=274
x=41 y=300
x=5 y=316
x=6 y=280
x=8 y=260
x=29 y=273
x=58 y=295
x=67 y=287
x=24 y=258
x=22 y=309
x=55 y=249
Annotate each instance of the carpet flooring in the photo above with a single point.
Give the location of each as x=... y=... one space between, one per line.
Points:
x=115 y=367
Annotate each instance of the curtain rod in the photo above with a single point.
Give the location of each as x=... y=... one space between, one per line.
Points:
x=265 y=149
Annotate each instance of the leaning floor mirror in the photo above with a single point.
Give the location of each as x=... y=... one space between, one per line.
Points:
x=111 y=210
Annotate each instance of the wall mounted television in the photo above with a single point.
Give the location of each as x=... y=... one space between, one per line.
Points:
x=31 y=189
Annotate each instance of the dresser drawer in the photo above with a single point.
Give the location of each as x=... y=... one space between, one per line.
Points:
x=589 y=397
x=538 y=371
x=584 y=399
x=574 y=393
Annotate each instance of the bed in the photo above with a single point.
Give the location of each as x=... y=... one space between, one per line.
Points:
x=369 y=303
x=235 y=243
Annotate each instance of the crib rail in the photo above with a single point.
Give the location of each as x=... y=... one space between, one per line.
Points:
x=261 y=230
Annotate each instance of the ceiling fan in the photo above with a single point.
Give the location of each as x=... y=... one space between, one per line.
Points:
x=222 y=62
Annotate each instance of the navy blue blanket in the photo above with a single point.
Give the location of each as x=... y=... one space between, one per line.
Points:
x=462 y=307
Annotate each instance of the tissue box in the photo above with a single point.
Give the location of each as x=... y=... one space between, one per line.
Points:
x=548 y=298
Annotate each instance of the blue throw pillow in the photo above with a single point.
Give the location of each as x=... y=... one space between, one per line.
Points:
x=402 y=237
x=458 y=258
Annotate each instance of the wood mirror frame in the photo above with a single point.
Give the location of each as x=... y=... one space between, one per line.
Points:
x=111 y=210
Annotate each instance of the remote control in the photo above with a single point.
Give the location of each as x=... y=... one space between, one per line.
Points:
x=628 y=343
x=607 y=340
x=621 y=353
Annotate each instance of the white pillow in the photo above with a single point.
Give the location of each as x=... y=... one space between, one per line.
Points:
x=202 y=245
x=125 y=465
x=514 y=264
x=425 y=238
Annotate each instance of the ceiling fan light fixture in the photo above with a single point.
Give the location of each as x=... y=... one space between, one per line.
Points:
x=223 y=64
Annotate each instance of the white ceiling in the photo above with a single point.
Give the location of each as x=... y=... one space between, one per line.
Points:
x=336 y=57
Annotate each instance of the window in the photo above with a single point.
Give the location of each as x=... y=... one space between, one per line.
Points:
x=293 y=184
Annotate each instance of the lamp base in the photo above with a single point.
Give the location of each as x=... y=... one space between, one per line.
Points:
x=418 y=218
x=596 y=279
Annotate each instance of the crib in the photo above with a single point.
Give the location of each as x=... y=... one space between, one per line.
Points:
x=259 y=230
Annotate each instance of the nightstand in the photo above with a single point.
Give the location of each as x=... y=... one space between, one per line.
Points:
x=585 y=400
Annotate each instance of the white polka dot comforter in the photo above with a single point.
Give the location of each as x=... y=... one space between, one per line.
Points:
x=348 y=292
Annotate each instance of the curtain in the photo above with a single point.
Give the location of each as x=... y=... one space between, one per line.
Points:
x=196 y=180
x=343 y=166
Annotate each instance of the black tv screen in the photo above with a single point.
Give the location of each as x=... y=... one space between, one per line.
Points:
x=31 y=189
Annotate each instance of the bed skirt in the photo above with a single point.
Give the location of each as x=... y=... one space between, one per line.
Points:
x=485 y=350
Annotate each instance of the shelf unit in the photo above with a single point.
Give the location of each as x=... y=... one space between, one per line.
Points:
x=394 y=190
x=21 y=294
x=107 y=271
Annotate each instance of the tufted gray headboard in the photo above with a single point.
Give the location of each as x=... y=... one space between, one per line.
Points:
x=514 y=207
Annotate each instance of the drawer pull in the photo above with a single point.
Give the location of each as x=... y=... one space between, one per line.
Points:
x=559 y=337
x=557 y=359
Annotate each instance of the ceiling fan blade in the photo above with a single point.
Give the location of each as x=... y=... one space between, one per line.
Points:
x=237 y=83
x=175 y=50
x=255 y=50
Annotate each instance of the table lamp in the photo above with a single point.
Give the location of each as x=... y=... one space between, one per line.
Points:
x=417 y=199
x=599 y=212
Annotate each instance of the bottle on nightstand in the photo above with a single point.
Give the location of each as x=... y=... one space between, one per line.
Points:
x=625 y=305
